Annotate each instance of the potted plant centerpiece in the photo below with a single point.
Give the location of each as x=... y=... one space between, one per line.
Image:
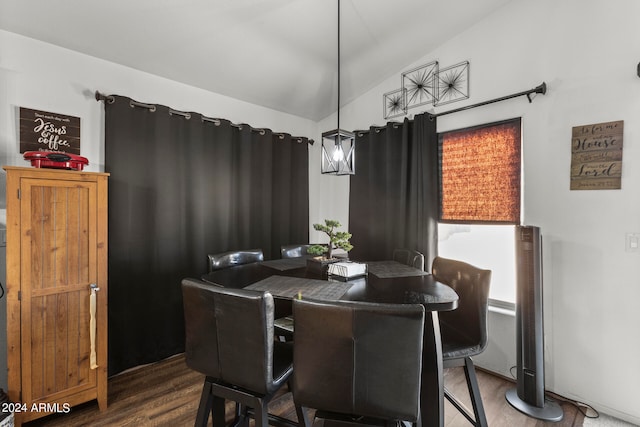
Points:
x=324 y=253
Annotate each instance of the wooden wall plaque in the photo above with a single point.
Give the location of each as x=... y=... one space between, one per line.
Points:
x=596 y=156
x=45 y=131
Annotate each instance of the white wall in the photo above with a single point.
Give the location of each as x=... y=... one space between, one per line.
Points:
x=587 y=51
x=329 y=194
x=44 y=77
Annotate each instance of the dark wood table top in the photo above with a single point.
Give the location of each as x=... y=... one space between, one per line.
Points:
x=396 y=283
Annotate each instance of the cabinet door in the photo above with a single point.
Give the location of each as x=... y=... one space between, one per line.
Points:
x=58 y=249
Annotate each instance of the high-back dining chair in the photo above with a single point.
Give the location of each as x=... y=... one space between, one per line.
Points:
x=464 y=330
x=294 y=251
x=231 y=258
x=356 y=359
x=409 y=257
x=229 y=338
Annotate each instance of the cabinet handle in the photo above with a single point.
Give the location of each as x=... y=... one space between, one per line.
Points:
x=92 y=324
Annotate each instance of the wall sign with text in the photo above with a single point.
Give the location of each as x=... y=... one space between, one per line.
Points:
x=44 y=131
x=596 y=156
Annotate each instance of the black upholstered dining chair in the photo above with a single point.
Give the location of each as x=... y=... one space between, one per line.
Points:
x=229 y=338
x=231 y=258
x=464 y=330
x=358 y=362
x=409 y=257
x=294 y=251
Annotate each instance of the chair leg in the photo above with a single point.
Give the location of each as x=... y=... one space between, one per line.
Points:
x=474 y=393
x=303 y=416
x=460 y=406
x=206 y=401
x=260 y=414
x=218 y=412
x=242 y=416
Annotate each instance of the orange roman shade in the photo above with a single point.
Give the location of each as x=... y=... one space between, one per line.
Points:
x=480 y=174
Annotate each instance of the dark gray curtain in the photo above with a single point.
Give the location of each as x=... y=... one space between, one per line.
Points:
x=180 y=189
x=393 y=200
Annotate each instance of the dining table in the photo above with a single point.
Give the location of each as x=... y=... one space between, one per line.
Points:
x=385 y=281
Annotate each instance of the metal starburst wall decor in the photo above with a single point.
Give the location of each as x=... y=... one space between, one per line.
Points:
x=428 y=84
x=394 y=105
x=418 y=85
x=452 y=83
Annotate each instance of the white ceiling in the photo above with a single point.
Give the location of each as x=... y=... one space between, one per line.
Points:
x=280 y=54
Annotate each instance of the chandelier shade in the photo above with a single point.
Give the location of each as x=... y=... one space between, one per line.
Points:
x=338 y=145
x=338 y=149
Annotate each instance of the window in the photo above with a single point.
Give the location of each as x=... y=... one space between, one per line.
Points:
x=480 y=200
x=480 y=174
x=485 y=246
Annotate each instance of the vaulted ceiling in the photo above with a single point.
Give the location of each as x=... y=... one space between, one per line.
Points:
x=281 y=54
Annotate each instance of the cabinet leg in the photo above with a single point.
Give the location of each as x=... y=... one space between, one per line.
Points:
x=102 y=403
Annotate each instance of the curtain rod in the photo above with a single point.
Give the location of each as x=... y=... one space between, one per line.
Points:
x=151 y=107
x=539 y=89
x=542 y=88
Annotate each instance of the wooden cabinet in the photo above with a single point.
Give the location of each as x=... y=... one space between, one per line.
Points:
x=56 y=289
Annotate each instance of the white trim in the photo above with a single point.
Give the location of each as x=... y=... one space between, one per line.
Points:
x=503 y=307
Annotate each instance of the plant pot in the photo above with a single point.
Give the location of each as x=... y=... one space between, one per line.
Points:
x=320 y=265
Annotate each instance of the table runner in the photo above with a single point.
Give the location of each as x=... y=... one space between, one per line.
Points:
x=288 y=287
x=389 y=269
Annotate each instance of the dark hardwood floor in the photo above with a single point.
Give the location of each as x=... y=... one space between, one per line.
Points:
x=167 y=393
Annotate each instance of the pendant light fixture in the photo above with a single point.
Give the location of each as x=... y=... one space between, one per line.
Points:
x=338 y=145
